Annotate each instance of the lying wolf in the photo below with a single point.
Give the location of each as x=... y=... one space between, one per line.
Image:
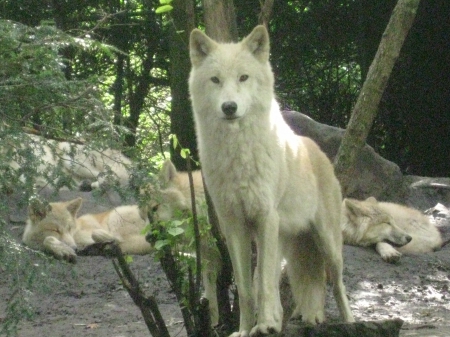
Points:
x=57 y=230
x=393 y=229
x=77 y=161
x=175 y=196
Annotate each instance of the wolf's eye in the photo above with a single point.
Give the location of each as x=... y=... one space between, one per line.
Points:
x=243 y=78
x=215 y=79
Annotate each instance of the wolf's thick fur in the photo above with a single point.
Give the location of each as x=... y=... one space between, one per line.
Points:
x=176 y=196
x=58 y=231
x=392 y=228
x=266 y=183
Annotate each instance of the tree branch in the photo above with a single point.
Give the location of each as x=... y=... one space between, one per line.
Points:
x=369 y=98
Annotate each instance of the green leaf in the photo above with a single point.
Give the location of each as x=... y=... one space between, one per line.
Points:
x=160 y=244
x=165 y=2
x=176 y=223
x=175 y=231
x=174 y=140
x=163 y=9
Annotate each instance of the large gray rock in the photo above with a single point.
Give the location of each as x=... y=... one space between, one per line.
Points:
x=374 y=175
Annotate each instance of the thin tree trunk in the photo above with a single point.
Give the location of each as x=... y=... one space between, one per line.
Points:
x=369 y=98
x=221 y=25
x=220 y=20
x=266 y=12
x=181 y=118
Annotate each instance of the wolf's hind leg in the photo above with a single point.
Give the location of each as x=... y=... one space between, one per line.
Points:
x=103 y=236
x=329 y=242
x=306 y=271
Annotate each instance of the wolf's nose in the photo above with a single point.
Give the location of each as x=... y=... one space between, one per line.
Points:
x=408 y=238
x=229 y=108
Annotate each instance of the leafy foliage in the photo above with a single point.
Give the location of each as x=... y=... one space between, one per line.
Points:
x=35 y=92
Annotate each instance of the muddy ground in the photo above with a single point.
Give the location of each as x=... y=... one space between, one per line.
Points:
x=87 y=299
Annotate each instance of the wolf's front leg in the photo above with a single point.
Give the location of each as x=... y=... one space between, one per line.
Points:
x=387 y=252
x=238 y=240
x=59 y=249
x=270 y=312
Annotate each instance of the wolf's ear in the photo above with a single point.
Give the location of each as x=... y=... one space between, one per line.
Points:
x=74 y=205
x=372 y=200
x=354 y=207
x=200 y=45
x=168 y=173
x=258 y=43
x=37 y=210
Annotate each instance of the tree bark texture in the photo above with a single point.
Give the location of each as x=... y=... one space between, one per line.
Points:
x=181 y=118
x=266 y=12
x=369 y=98
x=220 y=20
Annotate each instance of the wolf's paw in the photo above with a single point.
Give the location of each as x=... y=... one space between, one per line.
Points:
x=394 y=257
x=312 y=317
x=387 y=252
x=243 y=333
x=59 y=249
x=264 y=329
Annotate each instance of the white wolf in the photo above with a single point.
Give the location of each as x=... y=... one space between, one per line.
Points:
x=266 y=183
x=57 y=230
x=77 y=161
x=176 y=196
x=387 y=225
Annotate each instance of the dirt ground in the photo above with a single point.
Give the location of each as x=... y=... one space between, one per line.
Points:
x=86 y=299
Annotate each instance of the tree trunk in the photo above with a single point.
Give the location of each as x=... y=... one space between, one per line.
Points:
x=181 y=118
x=220 y=20
x=366 y=106
x=266 y=11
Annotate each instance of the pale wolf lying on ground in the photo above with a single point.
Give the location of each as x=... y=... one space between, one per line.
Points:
x=58 y=231
x=175 y=197
x=266 y=183
x=388 y=225
x=79 y=162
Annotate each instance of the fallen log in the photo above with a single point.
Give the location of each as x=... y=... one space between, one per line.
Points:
x=383 y=328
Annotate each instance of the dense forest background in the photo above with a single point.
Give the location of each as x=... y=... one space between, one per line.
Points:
x=121 y=56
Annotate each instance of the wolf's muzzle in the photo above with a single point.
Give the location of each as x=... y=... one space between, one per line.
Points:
x=229 y=109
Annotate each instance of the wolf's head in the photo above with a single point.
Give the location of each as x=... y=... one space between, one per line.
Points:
x=365 y=224
x=227 y=79
x=175 y=195
x=57 y=220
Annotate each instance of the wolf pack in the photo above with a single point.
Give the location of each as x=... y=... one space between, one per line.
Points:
x=269 y=187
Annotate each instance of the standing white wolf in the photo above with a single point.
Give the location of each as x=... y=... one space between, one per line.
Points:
x=266 y=183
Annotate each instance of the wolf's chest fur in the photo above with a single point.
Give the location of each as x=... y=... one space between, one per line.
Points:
x=243 y=175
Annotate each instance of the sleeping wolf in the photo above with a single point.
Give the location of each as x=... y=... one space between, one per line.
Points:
x=77 y=161
x=393 y=229
x=175 y=197
x=267 y=184
x=57 y=230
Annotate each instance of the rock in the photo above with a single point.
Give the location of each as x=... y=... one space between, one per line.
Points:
x=424 y=193
x=374 y=175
